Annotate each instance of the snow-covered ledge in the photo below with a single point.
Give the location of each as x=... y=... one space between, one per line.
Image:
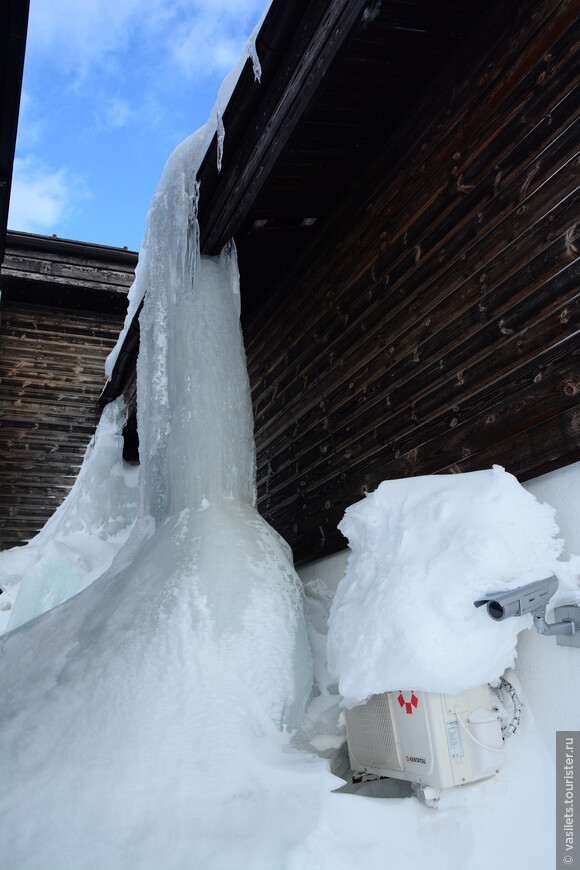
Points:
x=549 y=674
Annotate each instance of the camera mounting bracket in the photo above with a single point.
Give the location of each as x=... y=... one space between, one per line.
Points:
x=564 y=615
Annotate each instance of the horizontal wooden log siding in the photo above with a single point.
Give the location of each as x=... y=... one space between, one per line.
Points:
x=434 y=326
x=62 y=308
x=51 y=374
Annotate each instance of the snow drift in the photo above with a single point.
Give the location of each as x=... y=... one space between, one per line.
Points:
x=81 y=539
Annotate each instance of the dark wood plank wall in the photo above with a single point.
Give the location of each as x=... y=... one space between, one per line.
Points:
x=61 y=313
x=434 y=325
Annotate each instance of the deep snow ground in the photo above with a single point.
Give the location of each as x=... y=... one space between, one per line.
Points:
x=124 y=747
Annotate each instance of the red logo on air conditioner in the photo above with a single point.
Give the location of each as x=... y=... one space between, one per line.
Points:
x=408 y=705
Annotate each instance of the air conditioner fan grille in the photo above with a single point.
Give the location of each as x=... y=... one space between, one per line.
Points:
x=371 y=738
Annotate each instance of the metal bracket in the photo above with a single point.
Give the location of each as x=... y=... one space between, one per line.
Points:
x=568 y=613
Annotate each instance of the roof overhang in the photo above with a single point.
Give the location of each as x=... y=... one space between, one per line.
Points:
x=12 y=49
x=338 y=79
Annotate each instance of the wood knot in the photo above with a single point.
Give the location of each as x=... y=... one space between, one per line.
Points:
x=505 y=330
x=464 y=188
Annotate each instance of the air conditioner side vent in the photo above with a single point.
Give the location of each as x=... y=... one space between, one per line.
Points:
x=370 y=734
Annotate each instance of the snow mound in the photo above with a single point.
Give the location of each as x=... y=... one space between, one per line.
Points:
x=422 y=551
x=81 y=539
x=137 y=716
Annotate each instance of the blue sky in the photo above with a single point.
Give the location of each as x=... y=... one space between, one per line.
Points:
x=110 y=88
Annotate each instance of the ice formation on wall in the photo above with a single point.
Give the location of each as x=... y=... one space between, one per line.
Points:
x=149 y=698
x=197 y=146
x=198 y=537
x=423 y=549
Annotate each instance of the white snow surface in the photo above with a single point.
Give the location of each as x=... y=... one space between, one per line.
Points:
x=423 y=550
x=125 y=743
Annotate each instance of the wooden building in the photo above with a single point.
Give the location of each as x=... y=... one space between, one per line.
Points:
x=61 y=310
x=403 y=190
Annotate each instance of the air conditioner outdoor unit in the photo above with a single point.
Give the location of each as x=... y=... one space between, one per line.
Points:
x=430 y=739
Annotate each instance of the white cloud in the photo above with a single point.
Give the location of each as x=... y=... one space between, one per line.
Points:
x=30 y=125
x=41 y=198
x=79 y=35
x=117 y=112
x=205 y=52
x=203 y=37
x=105 y=78
x=211 y=40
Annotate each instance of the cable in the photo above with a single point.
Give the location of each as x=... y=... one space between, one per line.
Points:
x=512 y=725
x=475 y=740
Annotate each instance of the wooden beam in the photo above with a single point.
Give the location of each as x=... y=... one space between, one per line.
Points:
x=285 y=103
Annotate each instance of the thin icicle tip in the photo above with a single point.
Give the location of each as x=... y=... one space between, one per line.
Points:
x=253 y=55
x=371 y=12
x=220 y=135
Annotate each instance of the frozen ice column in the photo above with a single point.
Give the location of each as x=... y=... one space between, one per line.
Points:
x=194 y=404
x=203 y=403
x=198 y=455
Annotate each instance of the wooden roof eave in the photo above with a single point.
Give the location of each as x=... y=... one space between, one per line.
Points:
x=291 y=81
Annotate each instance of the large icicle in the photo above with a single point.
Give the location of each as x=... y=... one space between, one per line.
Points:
x=198 y=455
x=197 y=478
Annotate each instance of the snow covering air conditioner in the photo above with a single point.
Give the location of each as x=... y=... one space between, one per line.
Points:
x=430 y=739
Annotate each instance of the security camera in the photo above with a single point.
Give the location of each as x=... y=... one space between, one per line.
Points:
x=531 y=598
x=518 y=602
